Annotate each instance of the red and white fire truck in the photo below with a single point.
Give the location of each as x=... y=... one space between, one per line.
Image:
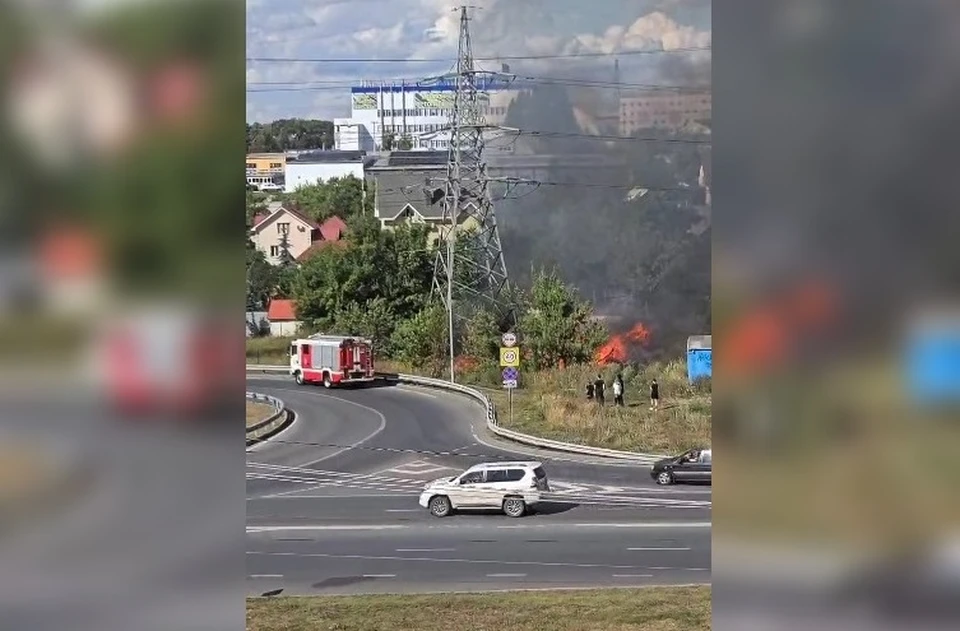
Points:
x=331 y=359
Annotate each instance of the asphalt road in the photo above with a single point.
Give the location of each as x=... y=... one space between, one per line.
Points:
x=332 y=505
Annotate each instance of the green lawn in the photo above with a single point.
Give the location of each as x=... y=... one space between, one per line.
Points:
x=650 y=609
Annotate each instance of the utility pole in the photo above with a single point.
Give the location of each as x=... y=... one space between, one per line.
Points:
x=466 y=196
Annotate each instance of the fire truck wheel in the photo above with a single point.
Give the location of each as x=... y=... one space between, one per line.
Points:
x=298 y=376
x=327 y=383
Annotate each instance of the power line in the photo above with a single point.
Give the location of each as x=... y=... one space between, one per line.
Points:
x=371 y=60
x=413 y=83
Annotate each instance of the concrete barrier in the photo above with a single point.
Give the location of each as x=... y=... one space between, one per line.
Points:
x=270 y=425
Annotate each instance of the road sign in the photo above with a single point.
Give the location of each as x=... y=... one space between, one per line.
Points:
x=510 y=384
x=511 y=374
x=509 y=340
x=509 y=357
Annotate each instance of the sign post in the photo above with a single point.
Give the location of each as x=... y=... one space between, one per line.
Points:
x=510 y=362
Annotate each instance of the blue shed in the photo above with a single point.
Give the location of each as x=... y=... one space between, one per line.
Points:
x=699 y=357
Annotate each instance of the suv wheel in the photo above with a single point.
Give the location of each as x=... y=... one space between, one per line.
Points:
x=664 y=478
x=440 y=506
x=514 y=507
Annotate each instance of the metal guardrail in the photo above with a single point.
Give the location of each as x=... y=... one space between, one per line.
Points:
x=267 y=427
x=491 y=417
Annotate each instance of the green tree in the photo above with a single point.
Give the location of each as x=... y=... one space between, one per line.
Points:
x=286 y=257
x=374 y=320
x=290 y=134
x=261 y=280
x=340 y=196
x=256 y=203
x=481 y=337
x=421 y=341
x=405 y=143
x=557 y=325
x=389 y=140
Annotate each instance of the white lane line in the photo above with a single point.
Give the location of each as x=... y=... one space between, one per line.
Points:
x=376 y=432
x=307 y=528
x=265 y=576
x=416 y=391
x=632 y=575
x=426 y=550
x=502 y=575
x=402 y=510
x=293 y=422
x=657 y=549
x=332 y=496
x=364 y=557
x=379 y=576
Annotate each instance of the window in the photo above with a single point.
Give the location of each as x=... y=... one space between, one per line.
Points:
x=252 y=165
x=293 y=347
x=276 y=165
x=515 y=475
x=274 y=251
x=497 y=475
x=283 y=228
x=474 y=477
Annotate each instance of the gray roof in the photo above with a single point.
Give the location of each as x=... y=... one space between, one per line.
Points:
x=326 y=157
x=398 y=187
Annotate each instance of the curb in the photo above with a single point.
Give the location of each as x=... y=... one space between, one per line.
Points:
x=271 y=425
x=493 y=424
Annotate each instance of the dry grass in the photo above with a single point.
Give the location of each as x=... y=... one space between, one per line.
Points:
x=553 y=404
x=257 y=412
x=651 y=609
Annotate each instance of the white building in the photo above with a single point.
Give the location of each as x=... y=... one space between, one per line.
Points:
x=320 y=166
x=415 y=111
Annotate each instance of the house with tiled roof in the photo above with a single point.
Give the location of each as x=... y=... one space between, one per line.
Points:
x=303 y=233
x=282 y=315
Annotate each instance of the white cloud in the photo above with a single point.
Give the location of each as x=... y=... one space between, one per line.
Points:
x=429 y=29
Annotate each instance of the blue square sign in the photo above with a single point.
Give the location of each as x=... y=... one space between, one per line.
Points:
x=510 y=374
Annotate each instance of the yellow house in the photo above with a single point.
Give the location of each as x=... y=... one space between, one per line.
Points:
x=266 y=164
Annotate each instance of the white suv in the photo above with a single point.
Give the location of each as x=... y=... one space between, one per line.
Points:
x=512 y=487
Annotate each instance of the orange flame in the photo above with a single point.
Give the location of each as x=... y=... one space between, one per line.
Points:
x=615 y=350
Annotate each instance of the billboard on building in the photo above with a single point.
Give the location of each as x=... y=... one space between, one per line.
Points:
x=364 y=101
x=434 y=100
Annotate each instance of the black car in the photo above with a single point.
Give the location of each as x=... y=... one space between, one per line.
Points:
x=695 y=465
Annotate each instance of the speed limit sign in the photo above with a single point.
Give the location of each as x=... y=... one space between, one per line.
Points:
x=509 y=340
x=509 y=357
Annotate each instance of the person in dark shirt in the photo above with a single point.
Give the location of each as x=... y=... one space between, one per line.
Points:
x=590 y=391
x=598 y=386
x=654 y=395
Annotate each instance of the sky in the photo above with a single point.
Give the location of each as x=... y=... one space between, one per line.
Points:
x=362 y=30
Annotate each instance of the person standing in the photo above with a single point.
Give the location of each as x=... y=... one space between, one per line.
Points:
x=618 y=391
x=654 y=395
x=598 y=387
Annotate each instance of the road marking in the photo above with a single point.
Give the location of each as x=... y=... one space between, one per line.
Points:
x=364 y=557
x=416 y=391
x=633 y=576
x=330 y=497
x=293 y=422
x=379 y=576
x=657 y=549
x=505 y=575
x=383 y=425
x=402 y=510
x=265 y=576
x=344 y=527
x=426 y=550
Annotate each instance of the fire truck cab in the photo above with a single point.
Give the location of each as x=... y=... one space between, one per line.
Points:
x=331 y=360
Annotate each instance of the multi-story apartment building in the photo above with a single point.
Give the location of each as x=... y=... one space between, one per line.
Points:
x=663 y=108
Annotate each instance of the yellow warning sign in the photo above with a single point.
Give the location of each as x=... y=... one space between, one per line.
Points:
x=509 y=357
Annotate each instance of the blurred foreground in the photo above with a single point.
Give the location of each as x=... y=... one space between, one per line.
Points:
x=836 y=501
x=120 y=267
